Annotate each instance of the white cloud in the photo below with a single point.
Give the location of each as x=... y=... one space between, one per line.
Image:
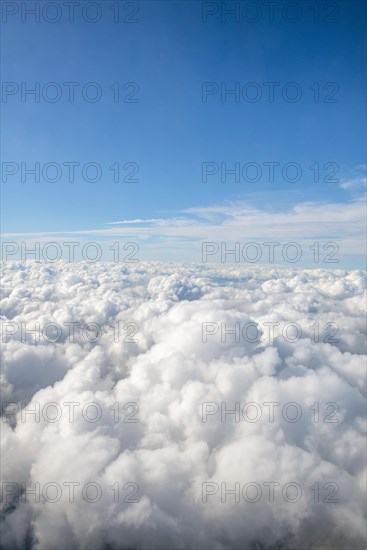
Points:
x=237 y=218
x=354 y=183
x=170 y=373
x=180 y=238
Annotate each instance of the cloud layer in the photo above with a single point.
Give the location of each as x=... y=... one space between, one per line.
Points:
x=179 y=236
x=149 y=376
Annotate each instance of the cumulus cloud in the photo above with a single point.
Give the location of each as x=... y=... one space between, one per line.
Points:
x=134 y=387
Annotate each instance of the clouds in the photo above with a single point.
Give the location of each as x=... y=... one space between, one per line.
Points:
x=149 y=363
x=179 y=235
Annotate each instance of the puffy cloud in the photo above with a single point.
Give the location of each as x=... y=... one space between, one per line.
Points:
x=140 y=407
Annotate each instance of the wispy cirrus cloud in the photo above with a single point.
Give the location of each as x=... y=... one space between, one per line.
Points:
x=233 y=218
x=354 y=183
x=344 y=223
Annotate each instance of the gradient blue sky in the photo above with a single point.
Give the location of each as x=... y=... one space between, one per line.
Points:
x=170 y=132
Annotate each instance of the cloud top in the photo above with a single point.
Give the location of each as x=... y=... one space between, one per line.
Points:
x=144 y=365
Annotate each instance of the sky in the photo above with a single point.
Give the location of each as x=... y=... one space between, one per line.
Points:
x=193 y=134
x=171 y=129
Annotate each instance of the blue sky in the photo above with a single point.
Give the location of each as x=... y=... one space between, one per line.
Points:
x=169 y=53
